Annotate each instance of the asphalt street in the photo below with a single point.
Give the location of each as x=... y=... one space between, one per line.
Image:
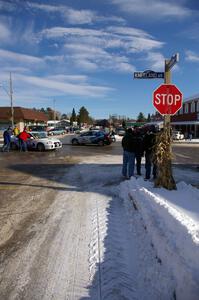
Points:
x=29 y=183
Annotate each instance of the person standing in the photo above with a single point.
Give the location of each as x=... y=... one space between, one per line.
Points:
x=128 y=144
x=148 y=146
x=23 y=137
x=16 y=130
x=7 y=139
x=138 y=151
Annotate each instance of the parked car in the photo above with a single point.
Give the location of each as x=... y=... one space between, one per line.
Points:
x=177 y=135
x=92 y=137
x=57 y=131
x=120 y=131
x=37 y=128
x=38 y=141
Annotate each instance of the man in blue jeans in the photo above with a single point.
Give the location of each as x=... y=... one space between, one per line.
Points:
x=129 y=147
x=7 y=139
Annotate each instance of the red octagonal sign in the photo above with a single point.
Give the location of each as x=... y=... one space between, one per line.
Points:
x=167 y=99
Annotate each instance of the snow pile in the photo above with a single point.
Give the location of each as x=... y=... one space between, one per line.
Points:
x=172 y=221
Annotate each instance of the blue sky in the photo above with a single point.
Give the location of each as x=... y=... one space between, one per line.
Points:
x=84 y=52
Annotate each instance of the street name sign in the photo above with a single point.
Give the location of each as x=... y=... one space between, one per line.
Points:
x=173 y=60
x=148 y=75
x=167 y=99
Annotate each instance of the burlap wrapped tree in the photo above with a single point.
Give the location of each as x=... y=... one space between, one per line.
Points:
x=162 y=158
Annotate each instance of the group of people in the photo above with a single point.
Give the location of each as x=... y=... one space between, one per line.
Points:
x=136 y=145
x=22 y=138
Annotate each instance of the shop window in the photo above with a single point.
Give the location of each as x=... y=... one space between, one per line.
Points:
x=193 y=106
x=197 y=106
x=186 y=109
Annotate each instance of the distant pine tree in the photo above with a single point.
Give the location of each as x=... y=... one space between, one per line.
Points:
x=141 y=117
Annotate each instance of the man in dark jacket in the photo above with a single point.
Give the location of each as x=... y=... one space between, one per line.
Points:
x=128 y=144
x=7 y=139
x=138 y=151
x=148 y=144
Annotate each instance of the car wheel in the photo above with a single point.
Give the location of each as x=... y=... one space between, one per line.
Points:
x=40 y=147
x=75 y=142
x=101 y=143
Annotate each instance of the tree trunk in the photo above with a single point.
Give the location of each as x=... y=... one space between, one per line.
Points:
x=163 y=156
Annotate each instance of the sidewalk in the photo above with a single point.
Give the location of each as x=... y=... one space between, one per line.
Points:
x=193 y=141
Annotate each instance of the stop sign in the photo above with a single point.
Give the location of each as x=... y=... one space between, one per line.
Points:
x=167 y=99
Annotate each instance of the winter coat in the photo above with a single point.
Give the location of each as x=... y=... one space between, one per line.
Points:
x=148 y=142
x=139 y=147
x=129 y=142
x=24 y=136
x=16 y=131
x=7 y=136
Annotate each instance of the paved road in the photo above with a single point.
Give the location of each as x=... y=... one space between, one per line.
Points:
x=41 y=194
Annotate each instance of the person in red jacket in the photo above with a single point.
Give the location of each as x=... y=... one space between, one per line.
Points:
x=23 y=137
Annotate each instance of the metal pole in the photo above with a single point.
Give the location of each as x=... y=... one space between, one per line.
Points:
x=167 y=80
x=11 y=102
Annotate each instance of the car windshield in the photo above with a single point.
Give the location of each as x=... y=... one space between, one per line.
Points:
x=39 y=135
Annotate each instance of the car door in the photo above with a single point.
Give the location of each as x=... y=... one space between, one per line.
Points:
x=84 y=138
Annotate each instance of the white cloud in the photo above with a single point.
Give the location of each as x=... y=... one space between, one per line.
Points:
x=128 y=31
x=5 y=33
x=191 y=56
x=65 y=88
x=61 y=32
x=68 y=78
x=107 y=49
x=10 y=56
x=96 y=58
x=79 y=16
x=155 y=61
x=143 y=44
x=74 y=16
x=154 y=9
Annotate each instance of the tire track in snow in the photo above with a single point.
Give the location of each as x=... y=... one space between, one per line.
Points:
x=110 y=259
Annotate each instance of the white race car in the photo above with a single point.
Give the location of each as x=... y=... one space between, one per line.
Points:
x=38 y=141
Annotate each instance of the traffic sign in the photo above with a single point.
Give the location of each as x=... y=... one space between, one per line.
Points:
x=167 y=99
x=173 y=60
x=148 y=74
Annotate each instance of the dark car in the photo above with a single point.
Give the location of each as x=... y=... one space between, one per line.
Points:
x=37 y=128
x=95 y=137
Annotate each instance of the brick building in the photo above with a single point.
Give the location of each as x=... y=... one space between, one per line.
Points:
x=22 y=117
x=187 y=118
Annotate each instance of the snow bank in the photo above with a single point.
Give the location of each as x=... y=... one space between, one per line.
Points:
x=172 y=221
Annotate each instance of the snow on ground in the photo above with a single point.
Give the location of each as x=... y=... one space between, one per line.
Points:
x=104 y=238
x=172 y=222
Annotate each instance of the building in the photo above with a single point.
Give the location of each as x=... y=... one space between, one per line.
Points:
x=187 y=118
x=58 y=123
x=22 y=117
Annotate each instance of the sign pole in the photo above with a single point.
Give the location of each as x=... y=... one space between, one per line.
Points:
x=167 y=80
x=163 y=146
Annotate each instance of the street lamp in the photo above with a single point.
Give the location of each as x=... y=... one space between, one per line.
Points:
x=10 y=94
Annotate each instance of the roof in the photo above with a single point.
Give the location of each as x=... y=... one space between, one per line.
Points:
x=21 y=113
x=192 y=98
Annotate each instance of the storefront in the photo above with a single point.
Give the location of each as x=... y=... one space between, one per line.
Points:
x=187 y=118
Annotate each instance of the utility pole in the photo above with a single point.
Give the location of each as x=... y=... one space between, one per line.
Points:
x=11 y=102
x=54 y=114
